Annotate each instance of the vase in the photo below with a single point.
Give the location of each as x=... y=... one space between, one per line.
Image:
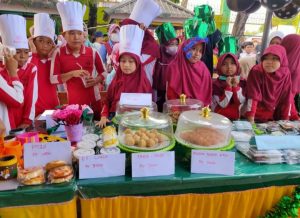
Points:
x=74 y=133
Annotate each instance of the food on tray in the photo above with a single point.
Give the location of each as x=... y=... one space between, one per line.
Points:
x=109 y=137
x=31 y=176
x=203 y=129
x=60 y=174
x=143 y=138
x=174 y=115
x=203 y=136
x=176 y=106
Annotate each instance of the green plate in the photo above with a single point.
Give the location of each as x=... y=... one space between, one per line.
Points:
x=133 y=150
x=225 y=148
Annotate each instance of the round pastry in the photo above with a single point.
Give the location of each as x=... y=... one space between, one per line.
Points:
x=54 y=164
x=60 y=174
x=31 y=176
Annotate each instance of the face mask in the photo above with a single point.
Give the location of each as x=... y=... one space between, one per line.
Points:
x=172 y=50
x=114 y=37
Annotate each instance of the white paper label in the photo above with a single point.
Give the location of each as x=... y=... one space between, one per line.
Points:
x=39 y=154
x=153 y=164
x=212 y=162
x=102 y=165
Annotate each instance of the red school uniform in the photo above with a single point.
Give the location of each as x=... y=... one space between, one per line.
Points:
x=47 y=95
x=269 y=94
x=64 y=61
x=28 y=77
x=227 y=100
x=11 y=92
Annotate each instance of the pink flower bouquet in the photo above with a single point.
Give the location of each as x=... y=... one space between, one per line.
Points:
x=72 y=114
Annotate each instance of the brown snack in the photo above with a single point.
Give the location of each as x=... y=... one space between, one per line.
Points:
x=55 y=163
x=31 y=176
x=60 y=174
x=142 y=143
x=129 y=140
x=203 y=136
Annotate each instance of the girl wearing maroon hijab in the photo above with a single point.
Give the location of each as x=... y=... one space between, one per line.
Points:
x=291 y=43
x=228 y=96
x=269 y=87
x=130 y=76
x=188 y=75
x=168 y=50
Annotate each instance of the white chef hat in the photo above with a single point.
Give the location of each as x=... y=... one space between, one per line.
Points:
x=44 y=26
x=131 y=39
x=13 y=31
x=71 y=14
x=145 y=11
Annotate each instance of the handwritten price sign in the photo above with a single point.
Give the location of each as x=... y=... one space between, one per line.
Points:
x=103 y=165
x=39 y=154
x=213 y=162
x=153 y=164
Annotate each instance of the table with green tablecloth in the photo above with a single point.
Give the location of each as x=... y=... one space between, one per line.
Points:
x=253 y=190
x=47 y=201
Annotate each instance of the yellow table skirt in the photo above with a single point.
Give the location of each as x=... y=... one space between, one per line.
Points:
x=242 y=204
x=55 y=210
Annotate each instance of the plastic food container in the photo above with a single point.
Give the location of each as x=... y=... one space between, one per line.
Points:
x=146 y=130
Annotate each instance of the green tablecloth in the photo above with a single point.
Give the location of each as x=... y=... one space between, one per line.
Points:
x=247 y=175
x=35 y=195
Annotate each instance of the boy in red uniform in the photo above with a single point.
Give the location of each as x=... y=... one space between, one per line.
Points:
x=15 y=26
x=74 y=64
x=11 y=91
x=43 y=44
x=228 y=89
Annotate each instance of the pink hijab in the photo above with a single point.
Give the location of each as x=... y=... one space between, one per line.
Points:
x=273 y=90
x=193 y=80
x=291 y=43
x=135 y=82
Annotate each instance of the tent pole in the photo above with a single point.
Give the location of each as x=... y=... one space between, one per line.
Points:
x=268 y=22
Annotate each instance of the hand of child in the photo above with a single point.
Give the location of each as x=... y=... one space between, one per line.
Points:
x=90 y=81
x=10 y=63
x=23 y=126
x=142 y=26
x=31 y=44
x=251 y=120
x=102 y=122
x=80 y=73
x=229 y=81
x=235 y=81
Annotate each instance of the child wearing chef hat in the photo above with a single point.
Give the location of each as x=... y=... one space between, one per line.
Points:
x=43 y=46
x=13 y=32
x=74 y=63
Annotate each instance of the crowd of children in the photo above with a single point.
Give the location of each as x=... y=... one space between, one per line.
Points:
x=133 y=61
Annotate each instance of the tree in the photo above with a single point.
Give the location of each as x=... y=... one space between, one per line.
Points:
x=239 y=24
x=92 y=4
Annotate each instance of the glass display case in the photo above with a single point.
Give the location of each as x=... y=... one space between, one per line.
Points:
x=176 y=106
x=145 y=130
x=204 y=130
x=123 y=109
